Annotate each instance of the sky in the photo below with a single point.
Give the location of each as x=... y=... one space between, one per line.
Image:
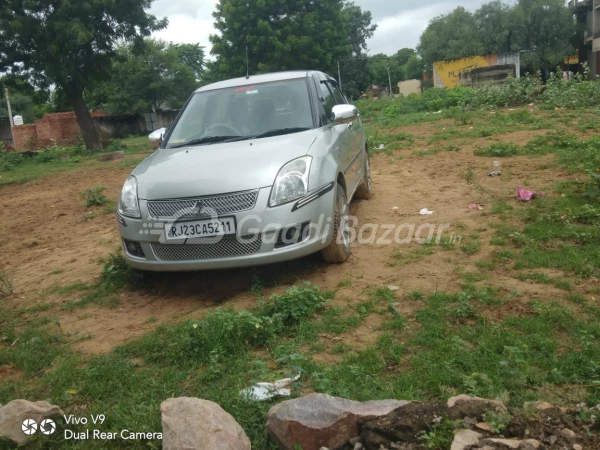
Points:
x=400 y=23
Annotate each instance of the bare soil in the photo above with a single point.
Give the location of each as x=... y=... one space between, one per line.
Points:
x=46 y=241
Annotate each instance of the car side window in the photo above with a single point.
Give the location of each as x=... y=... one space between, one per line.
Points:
x=327 y=99
x=339 y=97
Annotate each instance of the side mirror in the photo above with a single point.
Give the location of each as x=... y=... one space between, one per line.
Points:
x=344 y=113
x=157 y=135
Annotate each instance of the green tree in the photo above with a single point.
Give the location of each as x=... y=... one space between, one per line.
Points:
x=378 y=67
x=413 y=69
x=454 y=35
x=70 y=43
x=279 y=34
x=544 y=29
x=149 y=76
x=355 y=67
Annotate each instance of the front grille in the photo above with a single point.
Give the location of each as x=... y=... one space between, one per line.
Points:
x=227 y=247
x=217 y=205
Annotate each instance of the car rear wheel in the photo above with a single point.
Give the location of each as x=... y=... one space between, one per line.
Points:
x=363 y=192
x=339 y=250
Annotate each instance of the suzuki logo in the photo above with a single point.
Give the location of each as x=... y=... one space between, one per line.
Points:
x=198 y=207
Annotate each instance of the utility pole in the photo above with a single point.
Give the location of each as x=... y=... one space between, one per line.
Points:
x=339 y=76
x=10 y=117
x=389 y=77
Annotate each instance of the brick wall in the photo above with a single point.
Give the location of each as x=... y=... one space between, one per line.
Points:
x=25 y=137
x=59 y=127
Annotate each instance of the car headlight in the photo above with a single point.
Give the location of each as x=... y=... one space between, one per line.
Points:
x=128 y=204
x=291 y=182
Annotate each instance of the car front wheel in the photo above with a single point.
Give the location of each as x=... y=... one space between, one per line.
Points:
x=339 y=250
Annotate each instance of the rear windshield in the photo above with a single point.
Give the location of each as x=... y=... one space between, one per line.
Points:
x=244 y=111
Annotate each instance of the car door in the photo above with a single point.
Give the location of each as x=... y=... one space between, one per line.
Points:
x=356 y=164
x=343 y=137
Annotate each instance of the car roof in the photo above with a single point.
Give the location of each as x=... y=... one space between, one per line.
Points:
x=263 y=78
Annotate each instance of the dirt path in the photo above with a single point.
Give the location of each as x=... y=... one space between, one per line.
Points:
x=46 y=241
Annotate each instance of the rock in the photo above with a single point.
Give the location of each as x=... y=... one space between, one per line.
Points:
x=318 y=420
x=358 y=446
x=465 y=438
x=354 y=440
x=537 y=405
x=552 y=439
x=14 y=413
x=484 y=426
x=111 y=156
x=402 y=425
x=467 y=406
x=196 y=424
x=393 y=288
x=507 y=443
x=530 y=444
x=568 y=434
x=577 y=447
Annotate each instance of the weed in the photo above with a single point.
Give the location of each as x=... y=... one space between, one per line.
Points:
x=498 y=149
x=94 y=196
x=471 y=248
x=416 y=295
x=297 y=303
x=345 y=283
x=497 y=421
x=6 y=286
x=439 y=436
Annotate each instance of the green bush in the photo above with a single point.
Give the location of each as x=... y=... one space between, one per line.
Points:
x=8 y=160
x=297 y=303
x=94 y=196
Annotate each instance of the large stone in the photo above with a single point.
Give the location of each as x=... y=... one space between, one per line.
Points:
x=403 y=424
x=463 y=406
x=319 y=420
x=14 y=413
x=464 y=439
x=195 y=424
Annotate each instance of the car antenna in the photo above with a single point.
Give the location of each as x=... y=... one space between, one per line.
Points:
x=247 y=64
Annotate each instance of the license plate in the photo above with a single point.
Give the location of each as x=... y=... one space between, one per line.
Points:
x=200 y=228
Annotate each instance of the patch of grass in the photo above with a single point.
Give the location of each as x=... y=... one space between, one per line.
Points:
x=472 y=277
x=576 y=298
x=471 y=248
x=41 y=307
x=501 y=207
x=416 y=295
x=498 y=150
x=345 y=283
x=56 y=272
x=94 y=196
x=539 y=277
x=498 y=241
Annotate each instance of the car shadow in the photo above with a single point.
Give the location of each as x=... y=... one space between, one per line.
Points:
x=218 y=286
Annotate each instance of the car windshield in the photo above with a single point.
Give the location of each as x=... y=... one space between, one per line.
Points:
x=244 y=112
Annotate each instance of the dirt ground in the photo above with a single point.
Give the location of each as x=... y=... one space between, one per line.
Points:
x=46 y=241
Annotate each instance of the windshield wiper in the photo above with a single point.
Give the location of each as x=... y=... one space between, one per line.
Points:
x=205 y=140
x=279 y=132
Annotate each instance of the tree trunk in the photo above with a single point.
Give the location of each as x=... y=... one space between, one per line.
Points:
x=84 y=119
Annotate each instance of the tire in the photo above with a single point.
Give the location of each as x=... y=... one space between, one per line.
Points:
x=364 y=192
x=339 y=251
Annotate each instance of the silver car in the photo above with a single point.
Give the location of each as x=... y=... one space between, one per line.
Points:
x=255 y=170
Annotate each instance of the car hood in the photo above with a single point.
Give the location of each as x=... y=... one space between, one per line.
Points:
x=218 y=168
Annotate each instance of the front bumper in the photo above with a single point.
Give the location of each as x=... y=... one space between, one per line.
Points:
x=261 y=222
